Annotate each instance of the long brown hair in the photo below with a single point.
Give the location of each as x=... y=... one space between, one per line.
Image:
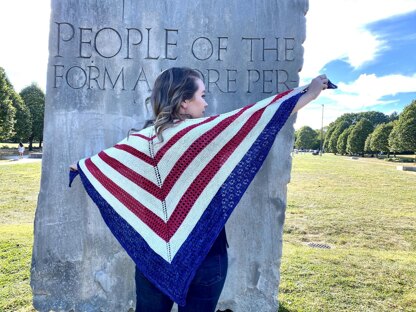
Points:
x=172 y=87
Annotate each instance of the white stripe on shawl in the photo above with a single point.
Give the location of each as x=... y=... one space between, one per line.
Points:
x=139 y=194
x=213 y=186
x=199 y=163
x=155 y=242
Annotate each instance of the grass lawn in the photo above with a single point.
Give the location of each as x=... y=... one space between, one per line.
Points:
x=364 y=209
x=19 y=187
x=10 y=145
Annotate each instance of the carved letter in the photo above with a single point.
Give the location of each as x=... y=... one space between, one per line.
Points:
x=231 y=80
x=106 y=74
x=250 y=80
x=82 y=75
x=271 y=49
x=202 y=48
x=82 y=42
x=267 y=80
x=56 y=75
x=141 y=79
x=289 y=49
x=167 y=43
x=112 y=30
x=213 y=82
x=148 y=57
x=283 y=72
x=251 y=46
x=220 y=47
x=134 y=43
x=91 y=77
x=59 y=37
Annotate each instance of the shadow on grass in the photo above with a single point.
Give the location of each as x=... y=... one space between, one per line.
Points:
x=282 y=308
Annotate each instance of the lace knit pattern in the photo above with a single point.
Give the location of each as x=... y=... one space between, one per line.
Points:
x=166 y=202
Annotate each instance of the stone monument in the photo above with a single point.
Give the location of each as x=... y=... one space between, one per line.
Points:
x=103 y=59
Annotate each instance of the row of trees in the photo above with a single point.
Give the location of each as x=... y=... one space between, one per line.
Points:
x=21 y=115
x=367 y=132
x=307 y=138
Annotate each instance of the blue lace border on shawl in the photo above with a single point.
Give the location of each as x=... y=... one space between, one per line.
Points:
x=174 y=279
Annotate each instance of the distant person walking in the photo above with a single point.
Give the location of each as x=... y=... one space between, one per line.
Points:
x=21 y=150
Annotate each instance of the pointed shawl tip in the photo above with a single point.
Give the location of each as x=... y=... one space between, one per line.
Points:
x=332 y=85
x=72 y=176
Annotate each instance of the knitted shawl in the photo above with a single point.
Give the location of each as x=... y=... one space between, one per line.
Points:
x=166 y=202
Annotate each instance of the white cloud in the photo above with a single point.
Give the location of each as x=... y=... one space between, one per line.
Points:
x=373 y=88
x=337 y=30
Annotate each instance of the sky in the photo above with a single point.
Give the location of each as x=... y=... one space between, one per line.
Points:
x=366 y=47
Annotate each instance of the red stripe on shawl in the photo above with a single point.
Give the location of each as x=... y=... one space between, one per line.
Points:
x=143 y=136
x=177 y=136
x=195 y=148
x=279 y=96
x=131 y=150
x=145 y=215
x=146 y=158
x=133 y=176
x=199 y=184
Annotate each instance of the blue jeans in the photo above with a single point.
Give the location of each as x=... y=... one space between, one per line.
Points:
x=203 y=294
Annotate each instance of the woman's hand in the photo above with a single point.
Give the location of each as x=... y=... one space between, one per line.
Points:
x=73 y=167
x=314 y=90
x=316 y=86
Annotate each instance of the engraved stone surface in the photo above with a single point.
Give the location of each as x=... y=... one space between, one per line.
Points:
x=103 y=59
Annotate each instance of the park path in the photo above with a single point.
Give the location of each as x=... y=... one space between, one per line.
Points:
x=19 y=161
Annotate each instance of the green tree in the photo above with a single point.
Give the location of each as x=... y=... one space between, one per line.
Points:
x=358 y=135
x=306 y=138
x=23 y=122
x=342 y=140
x=395 y=145
x=7 y=111
x=341 y=126
x=367 y=145
x=351 y=118
x=380 y=138
x=375 y=118
x=34 y=99
x=328 y=134
x=403 y=136
x=407 y=127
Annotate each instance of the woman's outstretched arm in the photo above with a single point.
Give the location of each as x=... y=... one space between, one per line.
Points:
x=314 y=90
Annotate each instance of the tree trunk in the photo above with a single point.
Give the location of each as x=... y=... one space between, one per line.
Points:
x=31 y=143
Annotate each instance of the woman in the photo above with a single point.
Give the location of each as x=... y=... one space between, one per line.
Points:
x=21 y=150
x=186 y=163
